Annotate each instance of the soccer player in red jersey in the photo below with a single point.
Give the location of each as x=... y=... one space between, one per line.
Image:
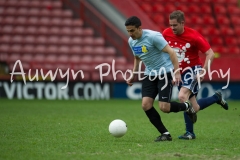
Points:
x=187 y=43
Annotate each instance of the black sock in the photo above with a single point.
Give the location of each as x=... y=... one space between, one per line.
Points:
x=155 y=119
x=177 y=107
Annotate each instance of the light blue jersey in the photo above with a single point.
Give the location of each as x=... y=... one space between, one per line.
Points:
x=149 y=49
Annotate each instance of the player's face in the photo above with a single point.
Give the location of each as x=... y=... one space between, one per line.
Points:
x=176 y=27
x=134 y=32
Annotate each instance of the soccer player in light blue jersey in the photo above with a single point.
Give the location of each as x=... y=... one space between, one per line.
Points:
x=159 y=59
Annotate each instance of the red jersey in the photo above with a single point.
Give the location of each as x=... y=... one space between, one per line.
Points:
x=187 y=46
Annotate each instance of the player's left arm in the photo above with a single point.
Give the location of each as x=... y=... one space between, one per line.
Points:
x=209 y=59
x=205 y=47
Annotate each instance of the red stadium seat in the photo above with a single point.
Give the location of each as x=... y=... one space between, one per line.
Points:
x=193 y=8
x=88 y=40
x=12 y=3
x=63 y=50
x=199 y=1
x=223 y=20
x=63 y=58
x=76 y=40
x=88 y=32
x=20 y=30
x=208 y=20
x=169 y=7
x=44 y=21
x=8 y=29
x=33 y=21
x=40 y=49
x=208 y=31
x=39 y=58
x=196 y=20
x=232 y=2
x=216 y=40
x=10 y=11
x=77 y=23
x=76 y=50
x=74 y=59
x=235 y=21
x=54 y=31
x=220 y=9
x=15 y=48
x=41 y=40
x=56 y=21
x=65 y=13
x=65 y=40
x=86 y=59
x=234 y=50
x=52 y=49
x=110 y=50
x=54 y=40
x=29 y=40
x=4 y=48
x=206 y=9
x=183 y=8
x=77 y=31
x=21 y=20
x=158 y=19
x=6 y=39
x=219 y=49
x=17 y=39
x=23 y=3
x=231 y=40
x=226 y=31
x=233 y=10
x=146 y=7
x=99 y=41
x=23 y=12
x=158 y=8
x=27 y=58
x=219 y=1
x=87 y=50
x=35 y=12
x=14 y=57
x=28 y=49
x=51 y=58
x=68 y=31
x=237 y=31
x=32 y=30
x=9 y=20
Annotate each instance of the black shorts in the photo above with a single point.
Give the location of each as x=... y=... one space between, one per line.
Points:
x=163 y=88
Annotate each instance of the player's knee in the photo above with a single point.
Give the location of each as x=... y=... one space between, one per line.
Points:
x=165 y=107
x=182 y=98
x=146 y=106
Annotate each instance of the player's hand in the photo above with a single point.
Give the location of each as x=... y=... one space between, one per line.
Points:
x=130 y=81
x=178 y=79
x=200 y=76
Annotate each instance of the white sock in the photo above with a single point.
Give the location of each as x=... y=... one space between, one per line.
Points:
x=186 y=105
x=166 y=133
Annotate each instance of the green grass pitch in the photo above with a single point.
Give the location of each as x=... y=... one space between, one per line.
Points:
x=54 y=130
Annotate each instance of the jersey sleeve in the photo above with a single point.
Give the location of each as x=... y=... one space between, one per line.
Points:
x=159 y=41
x=201 y=43
x=164 y=33
x=129 y=43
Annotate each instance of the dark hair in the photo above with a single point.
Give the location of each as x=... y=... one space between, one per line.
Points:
x=178 y=15
x=133 y=21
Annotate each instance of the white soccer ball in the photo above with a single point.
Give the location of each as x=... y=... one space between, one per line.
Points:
x=118 y=128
